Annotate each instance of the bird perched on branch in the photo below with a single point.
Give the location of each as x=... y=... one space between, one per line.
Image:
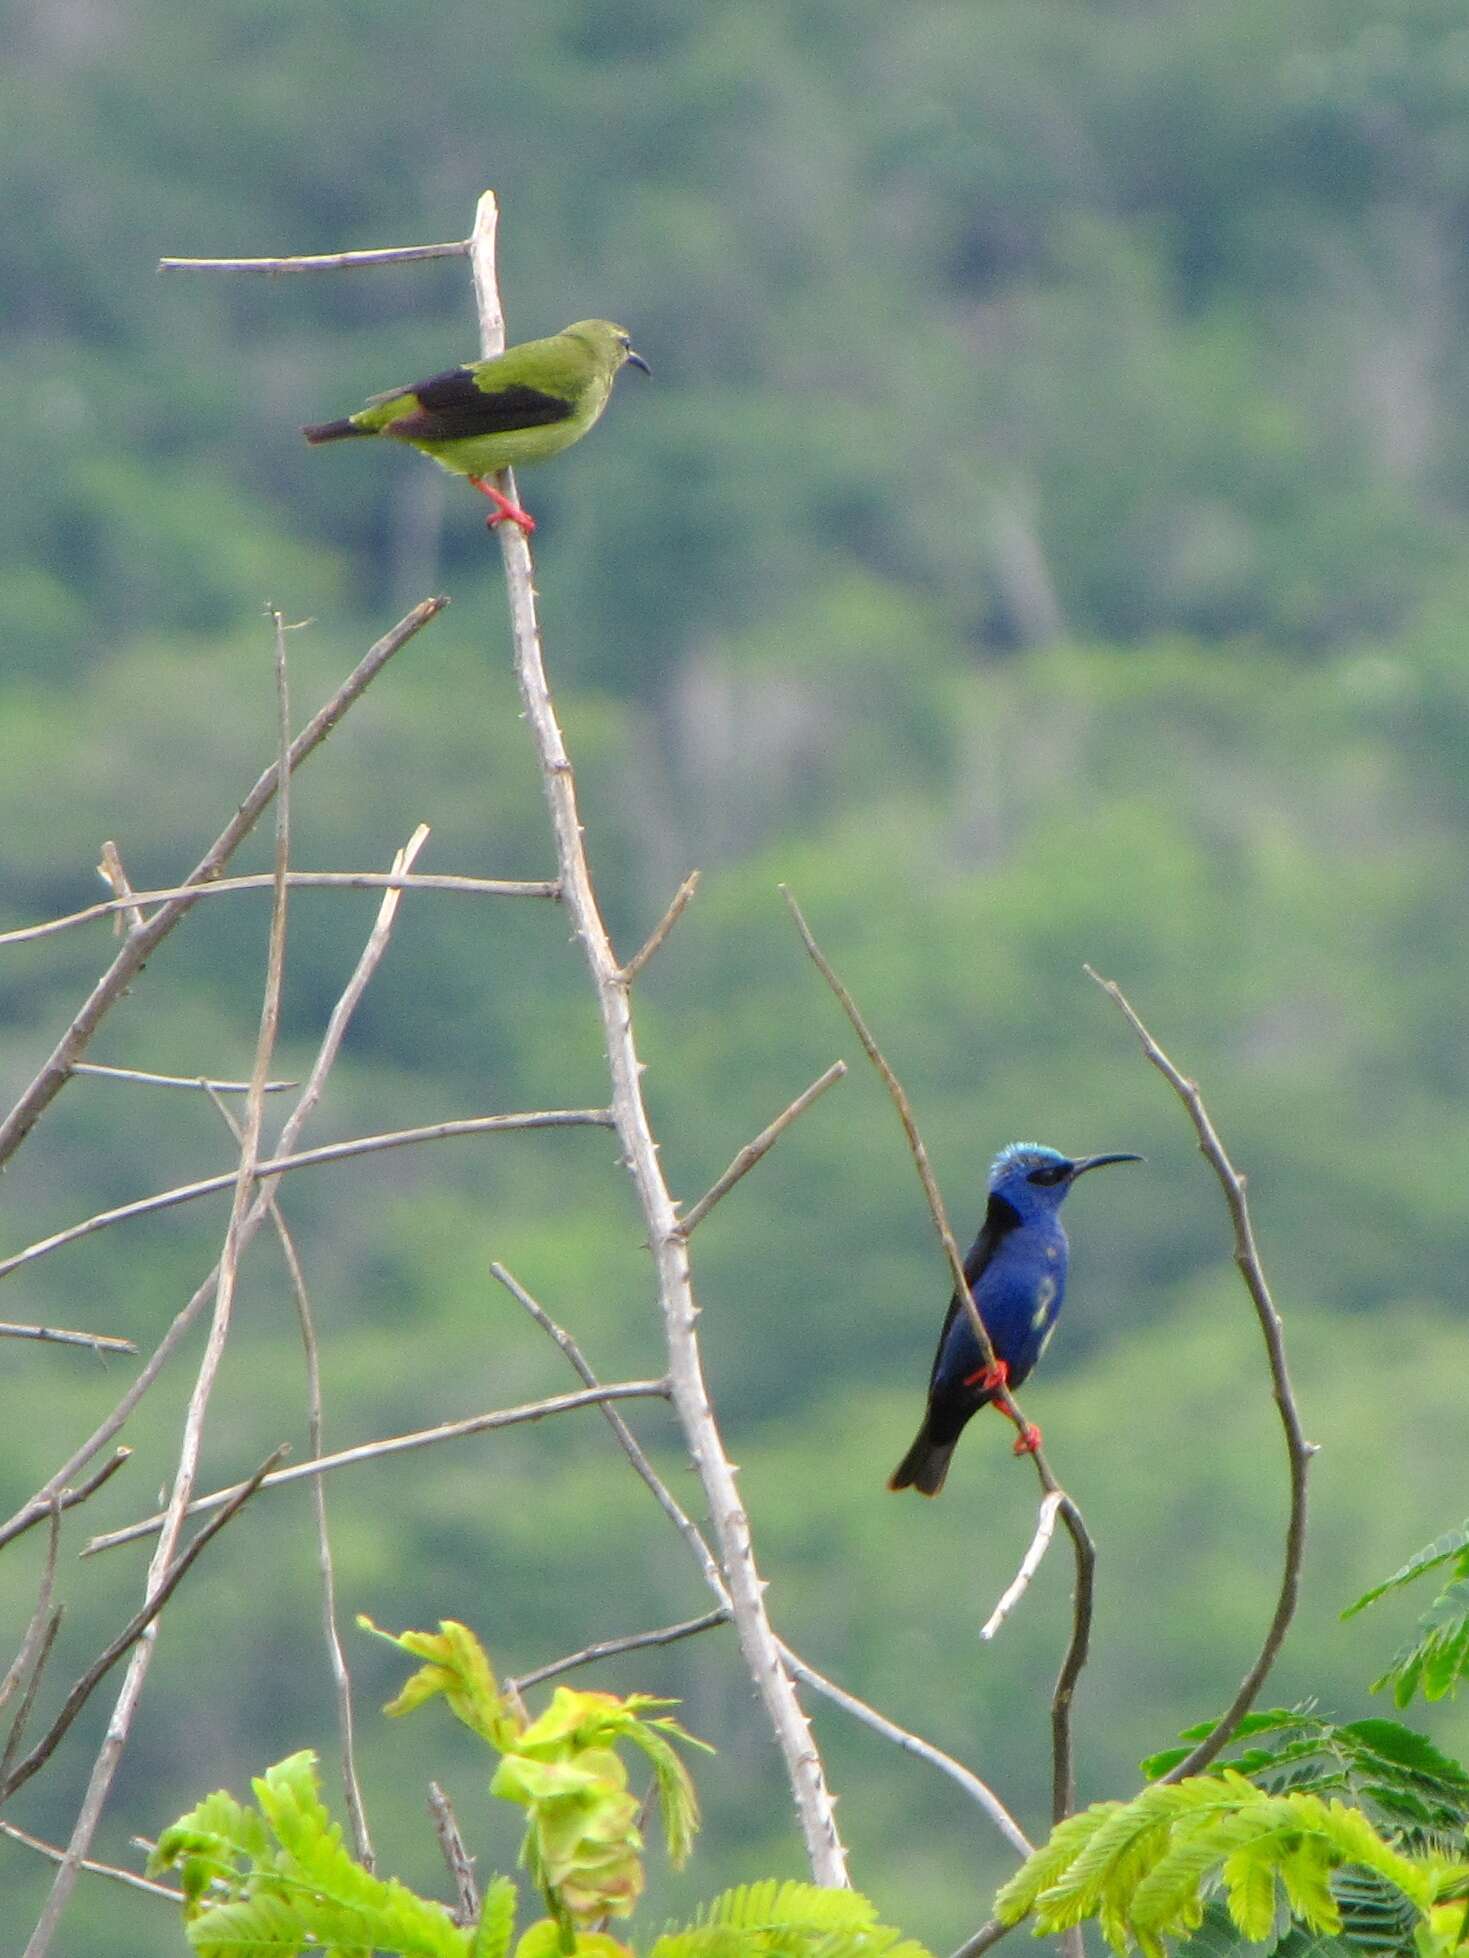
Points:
x=1016 y=1269
x=530 y=402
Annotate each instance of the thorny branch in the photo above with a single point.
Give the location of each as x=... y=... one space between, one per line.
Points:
x=666 y=1241
x=1298 y=1450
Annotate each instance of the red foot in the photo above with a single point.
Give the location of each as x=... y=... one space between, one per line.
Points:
x=505 y=509
x=1028 y=1441
x=997 y=1374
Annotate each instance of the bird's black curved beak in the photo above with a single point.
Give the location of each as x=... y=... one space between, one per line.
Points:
x=636 y=360
x=1084 y=1163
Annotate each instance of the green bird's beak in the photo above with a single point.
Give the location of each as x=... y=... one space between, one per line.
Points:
x=636 y=360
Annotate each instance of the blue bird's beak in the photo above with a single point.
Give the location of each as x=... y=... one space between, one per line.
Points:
x=1084 y=1163
x=636 y=360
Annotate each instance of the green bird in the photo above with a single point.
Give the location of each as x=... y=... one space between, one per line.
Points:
x=530 y=402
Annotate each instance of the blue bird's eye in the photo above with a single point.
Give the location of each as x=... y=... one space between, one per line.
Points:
x=1050 y=1173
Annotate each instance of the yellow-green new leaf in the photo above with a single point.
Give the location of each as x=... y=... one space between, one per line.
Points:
x=458 y=1667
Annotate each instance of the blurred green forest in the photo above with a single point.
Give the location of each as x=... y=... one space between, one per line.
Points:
x=1045 y=539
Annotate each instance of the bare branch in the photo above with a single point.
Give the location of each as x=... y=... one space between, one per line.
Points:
x=1030 y=1564
x=610 y=1648
x=315 y=1428
x=1063 y=1780
x=663 y=927
x=747 y=1158
x=669 y=1250
x=62 y=1498
x=96 y=1869
x=140 y=1077
x=326 y=1152
x=911 y=1743
x=53 y=1335
x=139 y=945
x=28 y=1698
x=36 y=1629
x=297 y=880
x=172 y=1576
x=373 y=1451
x=1298 y=1450
x=319 y=261
x=456 y=1856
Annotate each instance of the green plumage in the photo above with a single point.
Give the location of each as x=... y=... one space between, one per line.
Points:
x=527 y=403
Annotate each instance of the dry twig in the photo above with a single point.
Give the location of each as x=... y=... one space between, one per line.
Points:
x=747 y=1157
x=296 y=880
x=1298 y=1450
x=56 y=1336
x=663 y=927
x=611 y=1648
x=376 y=1451
x=456 y=1856
x=95 y=1869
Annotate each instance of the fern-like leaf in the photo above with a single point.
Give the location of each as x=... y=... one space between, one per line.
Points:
x=1453 y=1546
x=1436 y=1657
x=496 y=1927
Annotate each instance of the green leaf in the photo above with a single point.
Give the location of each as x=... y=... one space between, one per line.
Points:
x=496 y=1925
x=1454 y=1544
x=1436 y=1656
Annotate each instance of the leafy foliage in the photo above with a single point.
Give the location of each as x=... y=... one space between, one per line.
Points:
x=275 y=1881
x=1400 y=1780
x=583 y=1846
x=1144 y=1868
x=1436 y=1657
x=278 y=1878
x=787 y=1920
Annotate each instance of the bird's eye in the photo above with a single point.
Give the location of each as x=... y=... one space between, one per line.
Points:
x=624 y=339
x=1050 y=1173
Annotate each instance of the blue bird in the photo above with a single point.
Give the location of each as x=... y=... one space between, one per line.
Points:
x=1016 y=1270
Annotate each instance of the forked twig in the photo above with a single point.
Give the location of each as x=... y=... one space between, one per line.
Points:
x=139 y=945
x=1063 y=1774
x=136 y=1628
x=143 y=1078
x=1298 y=1450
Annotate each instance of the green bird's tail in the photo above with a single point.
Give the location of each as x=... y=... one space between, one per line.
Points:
x=335 y=431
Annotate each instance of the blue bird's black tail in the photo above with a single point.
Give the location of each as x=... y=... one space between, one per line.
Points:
x=925 y=1465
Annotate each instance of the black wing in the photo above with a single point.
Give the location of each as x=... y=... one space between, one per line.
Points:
x=1000 y=1218
x=451 y=406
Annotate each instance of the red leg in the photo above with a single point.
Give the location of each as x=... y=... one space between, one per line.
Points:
x=1028 y=1441
x=505 y=510
x=997 y=1374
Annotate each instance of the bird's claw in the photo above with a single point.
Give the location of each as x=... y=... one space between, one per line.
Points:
x=987 y=1378
x=1028 y=1441
x=505 y=510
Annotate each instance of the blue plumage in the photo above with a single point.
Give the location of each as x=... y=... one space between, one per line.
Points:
x=1016 y=1270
